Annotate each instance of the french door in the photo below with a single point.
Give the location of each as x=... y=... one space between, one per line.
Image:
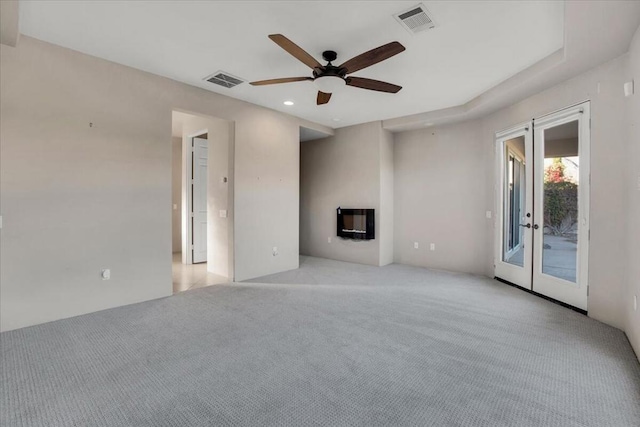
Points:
x=514 y=151
x=542 y=233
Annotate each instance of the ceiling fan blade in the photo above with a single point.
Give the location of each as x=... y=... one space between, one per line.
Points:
x=295 y=50
x=372 y=57
x=283 y=80
x=323 y=98
x=372 y=84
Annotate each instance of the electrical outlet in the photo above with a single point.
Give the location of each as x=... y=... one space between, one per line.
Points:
x=432 y=246
x=105 y=274
x=488 y=214
x=415 y=245
x=175 y=207
x=329 y=239
x=275 y=251
x=223 y=213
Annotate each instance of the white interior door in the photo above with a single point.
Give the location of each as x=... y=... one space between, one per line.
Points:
x=561 y=205
x=514 y=149
x=199 y=199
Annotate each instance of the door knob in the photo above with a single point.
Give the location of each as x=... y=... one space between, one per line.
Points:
x=527 y=225
x=536 y=226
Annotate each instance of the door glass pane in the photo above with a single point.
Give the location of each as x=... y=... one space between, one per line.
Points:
x=560 y=204
x=514 y=202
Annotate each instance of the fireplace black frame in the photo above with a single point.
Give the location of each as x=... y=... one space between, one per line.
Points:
x=370 y=224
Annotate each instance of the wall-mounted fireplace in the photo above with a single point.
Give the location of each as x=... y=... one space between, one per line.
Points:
x=356 y=224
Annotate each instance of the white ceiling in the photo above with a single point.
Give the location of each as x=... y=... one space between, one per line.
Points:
x=476 y=45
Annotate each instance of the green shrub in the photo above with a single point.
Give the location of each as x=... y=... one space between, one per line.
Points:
x=560 y=206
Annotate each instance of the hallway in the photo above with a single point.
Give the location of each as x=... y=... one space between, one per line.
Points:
x=193 y=276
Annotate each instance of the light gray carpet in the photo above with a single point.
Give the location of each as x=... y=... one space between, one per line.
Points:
x=357 y=345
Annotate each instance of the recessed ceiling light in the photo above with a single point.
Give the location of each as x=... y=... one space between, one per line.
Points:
x=336 y=119
x=288 y=102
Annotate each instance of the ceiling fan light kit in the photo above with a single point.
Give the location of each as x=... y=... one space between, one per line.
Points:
x=330 y=78
x=329 y=84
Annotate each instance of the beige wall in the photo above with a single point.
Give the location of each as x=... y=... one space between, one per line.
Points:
x=342 y=170
x=352 y=169
x=633 y=197
x=9 y=22
x=76 y=199
x=176 y=194
x=386 y=231
x=440 y=198
x=219 y=197
x=267 y=189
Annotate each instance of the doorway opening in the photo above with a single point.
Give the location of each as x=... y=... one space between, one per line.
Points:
x=202 y=200
x=542 y=241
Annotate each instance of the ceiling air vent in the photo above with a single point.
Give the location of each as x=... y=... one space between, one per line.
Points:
x=415 y=19
x=223 y=78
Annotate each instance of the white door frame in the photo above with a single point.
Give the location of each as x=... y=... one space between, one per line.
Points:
x=187 y=199
x=574 y=294
x=520 y=276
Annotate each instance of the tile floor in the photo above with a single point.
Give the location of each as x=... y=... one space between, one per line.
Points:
x=193 y=276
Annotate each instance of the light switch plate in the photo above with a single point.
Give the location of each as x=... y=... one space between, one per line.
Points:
x=628 y=88
x=223 y=213
x=416 y=245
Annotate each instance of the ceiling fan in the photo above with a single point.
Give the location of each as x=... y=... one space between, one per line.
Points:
x=330 y=78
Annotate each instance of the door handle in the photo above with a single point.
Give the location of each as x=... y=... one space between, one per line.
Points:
x=527 y=225
x=536 y=226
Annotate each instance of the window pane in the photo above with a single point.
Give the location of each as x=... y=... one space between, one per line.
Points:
x=514 y=202
x=560 y=204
